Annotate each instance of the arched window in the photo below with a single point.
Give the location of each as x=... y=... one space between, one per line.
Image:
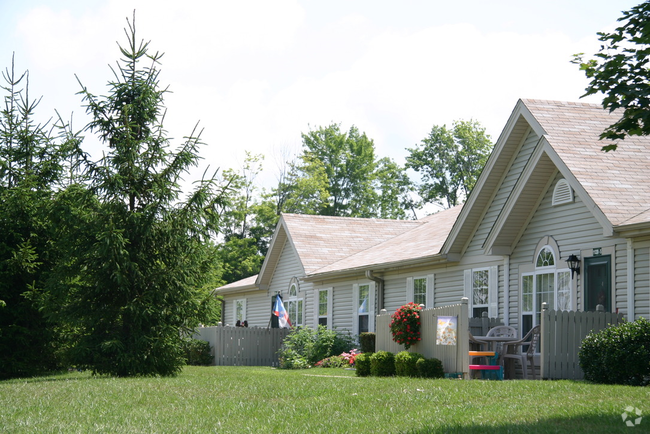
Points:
x=294 y=305
x=550 y=283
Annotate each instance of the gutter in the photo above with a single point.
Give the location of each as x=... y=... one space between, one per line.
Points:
x=380 y=289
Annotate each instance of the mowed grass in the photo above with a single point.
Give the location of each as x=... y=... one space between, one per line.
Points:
x=266 y=400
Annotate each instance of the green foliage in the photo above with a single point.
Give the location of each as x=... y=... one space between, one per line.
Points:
x=430 y=368
x=312 y=345
x=382 y=364
x=33 y=164
x=292 y=359
x=197 y=352
x=621 y=72
x=618 y=354
x=338 y=174
x=362 y=365
x=135 y=260
x=333 y=362
x=367 y=342
x=405 y=364
x=450 y=161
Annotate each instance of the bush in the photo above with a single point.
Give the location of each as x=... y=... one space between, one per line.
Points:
x=618 y=354
x=382 y=364
x=405 y=364
x=305 y=346
x=333 y=362
x=197 y=352
x=367 y=342
x=291 y=359
x=405 y=325
x=430 y=368
x=362 y=364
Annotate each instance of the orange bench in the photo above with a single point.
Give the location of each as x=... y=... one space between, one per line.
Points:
x=487 y=371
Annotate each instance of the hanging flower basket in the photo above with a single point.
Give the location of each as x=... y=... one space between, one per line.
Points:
x=405 y=325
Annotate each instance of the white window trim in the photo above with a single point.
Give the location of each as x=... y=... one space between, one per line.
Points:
x=317 y=314
x=558 y=268
x=234 y=310
x=295 y=299
x=430 y=290
x=355 y=306
x=493 y=289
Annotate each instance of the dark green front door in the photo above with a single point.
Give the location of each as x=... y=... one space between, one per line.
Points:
x=598 y=282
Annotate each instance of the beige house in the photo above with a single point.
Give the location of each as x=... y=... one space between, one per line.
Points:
x=547 y=192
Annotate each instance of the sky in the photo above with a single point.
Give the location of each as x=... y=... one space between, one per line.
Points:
x=255 y=74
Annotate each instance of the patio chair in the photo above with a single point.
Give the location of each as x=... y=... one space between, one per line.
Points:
x=476 y=344
x=503 y=331
x=531 y=339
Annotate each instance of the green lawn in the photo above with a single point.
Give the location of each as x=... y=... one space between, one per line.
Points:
x=266 y=400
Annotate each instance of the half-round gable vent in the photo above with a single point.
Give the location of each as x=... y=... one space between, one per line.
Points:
x=563 y=193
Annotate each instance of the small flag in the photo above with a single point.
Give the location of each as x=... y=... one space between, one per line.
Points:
x=281 y=313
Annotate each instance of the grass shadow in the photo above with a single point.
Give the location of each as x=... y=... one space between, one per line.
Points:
x=573 y=425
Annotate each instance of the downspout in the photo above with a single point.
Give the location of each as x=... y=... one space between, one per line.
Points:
x=630 y=280
x=506 y=290
x=380 y=289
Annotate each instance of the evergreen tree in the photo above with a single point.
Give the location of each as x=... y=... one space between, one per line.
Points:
x=135 y=260
x=32 y=166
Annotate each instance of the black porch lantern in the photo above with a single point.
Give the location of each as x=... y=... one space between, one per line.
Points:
x=574 y=264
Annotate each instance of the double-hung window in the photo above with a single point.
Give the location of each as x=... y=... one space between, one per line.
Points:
x=419 y=290
x=239 y=313
x=363 y=303
x=481 y=288
x=324 y=307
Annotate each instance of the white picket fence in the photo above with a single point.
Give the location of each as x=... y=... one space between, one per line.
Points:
x=243 y=346
x=455 y=358
x=561 y=335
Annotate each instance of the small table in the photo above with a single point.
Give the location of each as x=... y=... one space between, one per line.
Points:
x=492 y=342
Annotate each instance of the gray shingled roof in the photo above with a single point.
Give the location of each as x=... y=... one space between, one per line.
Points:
x=322 y=240
x=422 y=241
x=618 y=181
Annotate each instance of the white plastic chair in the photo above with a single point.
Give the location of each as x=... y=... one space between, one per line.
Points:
x=531 y=339
x=503 y=331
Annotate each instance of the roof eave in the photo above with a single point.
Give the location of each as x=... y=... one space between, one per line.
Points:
x=382 y=267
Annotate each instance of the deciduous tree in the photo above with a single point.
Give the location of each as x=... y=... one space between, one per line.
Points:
x=450 y=161
x=621 y=72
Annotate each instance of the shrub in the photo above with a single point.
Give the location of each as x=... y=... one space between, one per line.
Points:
x=405 y=364
x=382 y=364
x=305 y=346
x=405 y=325
x=430 y=368
x=333 y=362
x=291 y=359
x=362 y=364
x=367 y=342
x=618 y=354
x=197 y=352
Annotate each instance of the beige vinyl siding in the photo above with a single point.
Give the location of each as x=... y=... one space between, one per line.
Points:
x=449 y=287
x=288 y=266
x=395 y=290
x=571 y=225
x=342 y=305
x=258 y=308
x=641 y=283
x=476 y=245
